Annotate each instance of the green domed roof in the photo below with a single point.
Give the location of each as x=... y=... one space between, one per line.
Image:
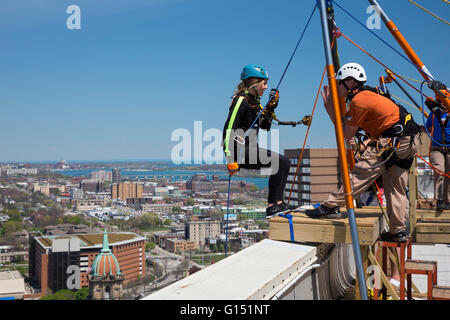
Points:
x=105 y=263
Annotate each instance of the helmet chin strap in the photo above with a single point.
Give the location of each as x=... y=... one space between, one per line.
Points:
x=350 y=90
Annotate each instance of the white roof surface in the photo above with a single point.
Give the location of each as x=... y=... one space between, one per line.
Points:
x=258 y=272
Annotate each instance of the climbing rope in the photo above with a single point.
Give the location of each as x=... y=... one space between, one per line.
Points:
x=378 y=37
x=439 y=172
x=429 y=12
x=285 y=69
x=339 y=32
x=405 y=102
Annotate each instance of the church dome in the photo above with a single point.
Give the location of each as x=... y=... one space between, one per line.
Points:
x=105 y=263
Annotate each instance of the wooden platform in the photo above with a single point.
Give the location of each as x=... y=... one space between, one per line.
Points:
x=369 y=223
x=432 y=226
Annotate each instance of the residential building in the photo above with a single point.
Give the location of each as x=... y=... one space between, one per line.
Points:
x=101 y=175
x=179 y=245
x=88 y=204
x=125 y=190
x=76 y=193
x=91 y=185
x=199 y=231
x=318 y=175
x=115 y=175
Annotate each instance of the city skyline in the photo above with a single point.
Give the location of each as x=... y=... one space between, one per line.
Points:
x=135 y=72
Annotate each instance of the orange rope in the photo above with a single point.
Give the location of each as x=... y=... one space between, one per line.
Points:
x=341 y=34
x=307 y=132
x=439 y=172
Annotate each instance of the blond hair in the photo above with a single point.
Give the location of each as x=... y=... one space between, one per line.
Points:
x=246 y=84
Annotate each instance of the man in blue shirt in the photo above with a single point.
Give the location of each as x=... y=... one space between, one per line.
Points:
x=438 y=125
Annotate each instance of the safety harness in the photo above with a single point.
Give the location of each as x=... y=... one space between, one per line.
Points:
x=443 y=121
x=406 y=126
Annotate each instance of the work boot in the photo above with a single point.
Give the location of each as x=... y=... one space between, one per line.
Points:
x=275 y=209
x=325 y=212
x=440 y=205
x=400 y=236
x=447 y=206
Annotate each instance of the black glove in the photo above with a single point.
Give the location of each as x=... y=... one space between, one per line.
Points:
x=274 y=96
x=432 y=104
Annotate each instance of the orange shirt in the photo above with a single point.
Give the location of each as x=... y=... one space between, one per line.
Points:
x=372 y=112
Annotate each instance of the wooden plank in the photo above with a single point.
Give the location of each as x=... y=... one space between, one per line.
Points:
x=423 y=214
x=432 y=238
x=422 y=265
x=325 y=230
x=362 y=219
x=433 y=227
x=441 y=292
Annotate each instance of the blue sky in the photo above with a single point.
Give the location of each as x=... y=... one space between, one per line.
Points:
x=137 y=70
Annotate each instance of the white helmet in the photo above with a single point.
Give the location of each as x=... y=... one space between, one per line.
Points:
x=353 y=70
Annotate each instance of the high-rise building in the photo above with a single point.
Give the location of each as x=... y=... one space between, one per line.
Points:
x=318 y=175
x=125 y=190
x=101 y=175
x=115 y=175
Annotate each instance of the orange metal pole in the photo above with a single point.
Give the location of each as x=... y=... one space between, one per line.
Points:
x=342 y=152
x=442 y=95
x=340 y=137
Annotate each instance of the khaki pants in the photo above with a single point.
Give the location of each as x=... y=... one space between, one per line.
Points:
x=441 y=183
x=395 y=180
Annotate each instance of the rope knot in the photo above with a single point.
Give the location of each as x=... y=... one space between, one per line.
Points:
x=337 y=32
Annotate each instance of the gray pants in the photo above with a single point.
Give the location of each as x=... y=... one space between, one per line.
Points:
x=395 y=180
x=441 y=162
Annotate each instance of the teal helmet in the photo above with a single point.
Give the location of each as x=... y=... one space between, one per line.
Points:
x=254 y=71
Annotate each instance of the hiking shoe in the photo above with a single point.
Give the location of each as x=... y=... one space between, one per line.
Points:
x=440 y=205
x=325 y=212
x=401 y=236
x=275 y=209
x=284 y=206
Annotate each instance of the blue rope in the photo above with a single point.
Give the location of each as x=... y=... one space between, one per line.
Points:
x=423 y=117
x=381 y=39
x=298 y=43
x=291 y=225
x=287 y=66
x=228 y=208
